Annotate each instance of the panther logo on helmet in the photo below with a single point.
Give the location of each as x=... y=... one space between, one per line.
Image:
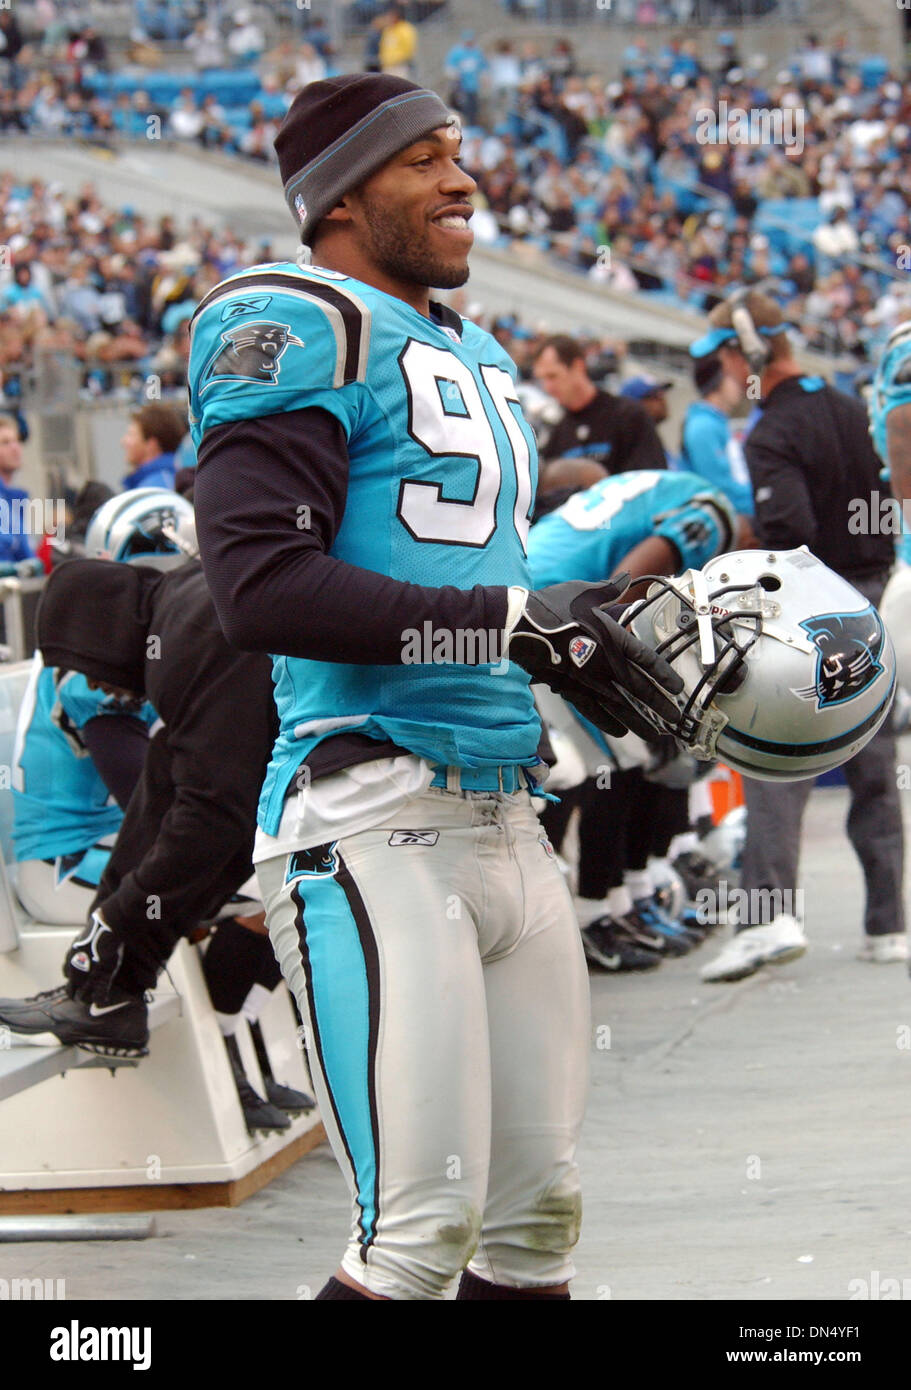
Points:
x=850 y=645
x=752 y=627
x=252 y=351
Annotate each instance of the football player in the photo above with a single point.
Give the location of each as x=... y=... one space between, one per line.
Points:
x=646 y=522
x=363 y=497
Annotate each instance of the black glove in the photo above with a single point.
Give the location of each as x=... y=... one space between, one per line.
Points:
x=566 y=640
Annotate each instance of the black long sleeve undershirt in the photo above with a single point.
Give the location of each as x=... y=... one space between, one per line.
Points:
x=274 y=586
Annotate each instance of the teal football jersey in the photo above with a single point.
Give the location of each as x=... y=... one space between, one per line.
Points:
x=60 y=803
x=891 y=388
x=442 y=470
x=594 y=530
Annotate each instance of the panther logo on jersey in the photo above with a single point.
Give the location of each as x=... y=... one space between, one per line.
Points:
x=312 y=863
x=252 y=351
x=850 y=645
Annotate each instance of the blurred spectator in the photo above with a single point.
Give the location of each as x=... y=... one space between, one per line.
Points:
x=257 y=142
x=709 y=447
x=245 y=41
x=650 y=393
x=205 y=46
x=505 y=71
x=652 y=396
x=372 y=40
x=613 y=431
x=22 y=292
x=398 y=44
x=14 y=542
x=186 y=121
x=465 y=69
x=310 y=66
x=837 y=237
x=11 y=45
x=149 y=445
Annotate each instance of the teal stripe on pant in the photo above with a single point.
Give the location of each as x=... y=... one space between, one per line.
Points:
x=341 y=964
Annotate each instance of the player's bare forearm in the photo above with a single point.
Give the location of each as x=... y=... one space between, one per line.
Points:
x=898 y=441
x=655 y=555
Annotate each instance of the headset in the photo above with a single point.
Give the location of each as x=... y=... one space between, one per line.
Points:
x=756 y=349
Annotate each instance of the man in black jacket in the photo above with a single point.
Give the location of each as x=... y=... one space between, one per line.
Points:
x=811 y=462
x=614 y=430
x=186 y=841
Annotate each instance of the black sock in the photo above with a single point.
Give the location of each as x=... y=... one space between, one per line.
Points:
x=334 y=1288
x=470 y=1286
x=232 y=961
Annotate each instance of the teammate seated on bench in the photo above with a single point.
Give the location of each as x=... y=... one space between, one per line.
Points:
x=78 y=756
x=187 y=835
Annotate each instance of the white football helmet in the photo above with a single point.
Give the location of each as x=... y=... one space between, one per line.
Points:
x=148 y=526
x=788 y=671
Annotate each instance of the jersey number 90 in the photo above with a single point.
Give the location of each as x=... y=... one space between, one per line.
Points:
x=447 y=416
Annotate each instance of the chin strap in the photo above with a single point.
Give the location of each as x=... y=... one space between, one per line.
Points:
x=703 y=618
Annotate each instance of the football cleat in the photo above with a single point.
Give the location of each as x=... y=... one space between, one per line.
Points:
x=258 y=1114
x=287 y=1099
x=788 y=671
x=649 y=915
x=610 y=948
x=702 y=880
x=115 y=1027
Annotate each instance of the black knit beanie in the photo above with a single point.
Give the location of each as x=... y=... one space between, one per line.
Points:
x=339 y=131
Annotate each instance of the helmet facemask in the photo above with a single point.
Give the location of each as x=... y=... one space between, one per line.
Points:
x=705 y=640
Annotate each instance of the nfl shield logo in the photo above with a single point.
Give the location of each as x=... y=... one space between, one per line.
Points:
x=580 y=649
x=300 y=207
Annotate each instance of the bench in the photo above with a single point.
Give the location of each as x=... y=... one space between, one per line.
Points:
x=168 y=1132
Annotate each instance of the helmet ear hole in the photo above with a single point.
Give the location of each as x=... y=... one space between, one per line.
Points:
x=732 y=679
x=769 y=582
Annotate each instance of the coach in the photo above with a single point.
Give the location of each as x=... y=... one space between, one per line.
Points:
x=810 y=456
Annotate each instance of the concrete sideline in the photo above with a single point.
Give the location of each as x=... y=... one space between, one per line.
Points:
x=798 y=1067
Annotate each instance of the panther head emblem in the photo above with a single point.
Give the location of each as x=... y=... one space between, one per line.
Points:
x=312 y=863
x=849 y=645
x=252 y=351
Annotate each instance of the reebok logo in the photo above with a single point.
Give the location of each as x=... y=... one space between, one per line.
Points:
x=414 y=837
x=75 y=1343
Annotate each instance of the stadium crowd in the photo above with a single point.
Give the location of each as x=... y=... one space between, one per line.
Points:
x=640 y=183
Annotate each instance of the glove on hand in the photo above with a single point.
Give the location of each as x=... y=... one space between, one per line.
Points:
x=566 y=640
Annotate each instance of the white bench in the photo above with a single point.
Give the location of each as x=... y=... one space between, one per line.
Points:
x=168 y=1132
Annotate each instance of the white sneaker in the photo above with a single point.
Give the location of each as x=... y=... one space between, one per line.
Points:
x=882 y=950
x=781 y=940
